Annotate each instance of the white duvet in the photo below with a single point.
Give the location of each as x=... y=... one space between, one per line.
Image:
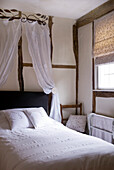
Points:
x=53 y=147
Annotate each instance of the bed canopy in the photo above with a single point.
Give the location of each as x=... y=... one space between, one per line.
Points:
x=38 y=39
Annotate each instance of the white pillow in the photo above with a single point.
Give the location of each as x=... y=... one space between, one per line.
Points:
x=17 y=119
x=77 y=122
x=3 y=122
x=37 y=116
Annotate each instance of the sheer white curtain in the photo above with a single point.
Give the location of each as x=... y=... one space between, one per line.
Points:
x=10 y=32
x=39 y=49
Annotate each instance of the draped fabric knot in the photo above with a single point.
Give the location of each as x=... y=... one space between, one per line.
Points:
x=54 y=90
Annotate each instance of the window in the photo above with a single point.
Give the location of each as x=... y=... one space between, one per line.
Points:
x=105 y=76
x=104 y=52
x=103 y=58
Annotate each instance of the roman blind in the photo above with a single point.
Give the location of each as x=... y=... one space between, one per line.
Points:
x=104 y=39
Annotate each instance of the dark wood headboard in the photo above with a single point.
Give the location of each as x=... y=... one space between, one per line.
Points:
x=18 y=99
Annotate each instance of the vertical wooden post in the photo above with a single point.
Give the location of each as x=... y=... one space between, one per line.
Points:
x=49 y=102
x=93 y=70
x=61 y=113
x=50 y=23
x=94 y=102
x=75 y=49
x=93 y=73
x=20 y=65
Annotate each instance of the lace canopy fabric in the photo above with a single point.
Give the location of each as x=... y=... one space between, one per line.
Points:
x=104 y=39
x=10 y=33
x=39 y=49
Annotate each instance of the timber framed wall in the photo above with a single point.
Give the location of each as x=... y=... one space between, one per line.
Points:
x=86 y=19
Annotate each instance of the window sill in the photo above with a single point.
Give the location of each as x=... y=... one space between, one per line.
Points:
x=103 y=90
x=103 y=93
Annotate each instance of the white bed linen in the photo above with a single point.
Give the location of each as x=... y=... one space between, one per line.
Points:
x=53 y=147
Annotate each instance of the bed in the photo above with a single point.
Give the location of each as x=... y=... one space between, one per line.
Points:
x=45 y=144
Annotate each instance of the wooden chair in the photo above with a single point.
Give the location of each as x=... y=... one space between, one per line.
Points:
x=70 y=106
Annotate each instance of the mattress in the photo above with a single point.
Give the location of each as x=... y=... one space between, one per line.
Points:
x=53 y=147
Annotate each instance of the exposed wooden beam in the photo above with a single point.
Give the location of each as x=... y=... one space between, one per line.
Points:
x=93 y=73
x=61 y=114
x=94 y=102
x=20 y=65
x=27 y=65
x=53 y=66
x=50 y=24
x=71 y=106
x=64 y=66
x=96 y=13
x=101 y=93
x=93 y=66
x=75 y=49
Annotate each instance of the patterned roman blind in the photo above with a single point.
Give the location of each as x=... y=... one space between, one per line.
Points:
x=104 y=39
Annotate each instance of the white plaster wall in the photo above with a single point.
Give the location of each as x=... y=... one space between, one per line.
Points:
x=103 y=105
x=30 y=80
x=62 y=41
x=65 y=79
x=85 y=67
x=66 y=86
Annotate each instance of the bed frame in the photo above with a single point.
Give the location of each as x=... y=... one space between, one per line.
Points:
x=18 y=99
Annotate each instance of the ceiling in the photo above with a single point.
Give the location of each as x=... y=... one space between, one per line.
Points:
x=59 y=8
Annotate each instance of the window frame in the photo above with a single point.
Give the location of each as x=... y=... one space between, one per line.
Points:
x=96 y=81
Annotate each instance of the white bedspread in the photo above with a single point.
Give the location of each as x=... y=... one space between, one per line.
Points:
x=53 y=147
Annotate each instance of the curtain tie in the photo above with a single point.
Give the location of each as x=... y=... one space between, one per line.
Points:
x=54 y=90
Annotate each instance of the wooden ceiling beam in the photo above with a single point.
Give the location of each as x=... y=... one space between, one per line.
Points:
x=96 y=13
